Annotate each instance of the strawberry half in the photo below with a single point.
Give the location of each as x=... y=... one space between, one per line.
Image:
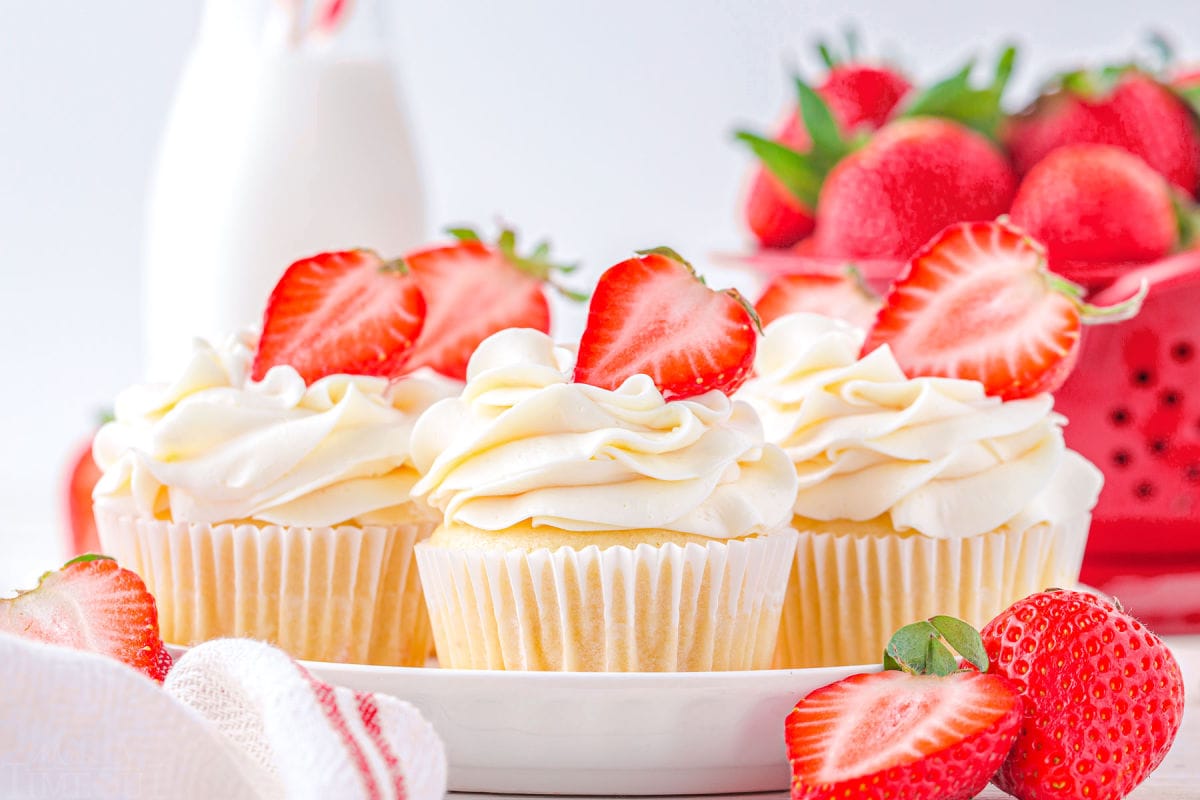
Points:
x=844 y=296
x=978 y=303
x=347 y=312
x=921 y=730
x=1103 y=696
x=473 y=290
x=654 y=315
x=92 y=604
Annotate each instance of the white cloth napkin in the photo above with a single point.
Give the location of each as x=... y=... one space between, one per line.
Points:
x=235 y=719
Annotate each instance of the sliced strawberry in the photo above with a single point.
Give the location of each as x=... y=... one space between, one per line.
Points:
x=347 y=312
x=844 y=296
x=923 y=729
x=92 y=604
x=654 y=315
x=473 y=290
x=978 y=303
x=931 y=737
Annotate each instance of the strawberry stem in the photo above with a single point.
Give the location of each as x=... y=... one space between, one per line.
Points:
x=1098 y=315
x=860 y=282
x=1126 y=310
x=396 y=265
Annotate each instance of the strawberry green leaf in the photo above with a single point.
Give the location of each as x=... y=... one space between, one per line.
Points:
x=850 y=34
x=963 y=638
x=572 y=294
x=1162 y=52
x=956 y=99
x=792 y=168
x=464 y=234
x=828 y=146
x=1190 y=95
x=671 y=253
x=827 y=56
x=921 y=648
x=86 y=557
x=1187 y=218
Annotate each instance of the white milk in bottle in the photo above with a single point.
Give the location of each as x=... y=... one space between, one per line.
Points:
x=285 y=140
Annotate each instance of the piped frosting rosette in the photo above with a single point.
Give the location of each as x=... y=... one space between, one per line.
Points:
x=594 y=529
x=916 y=496
x=272 y=509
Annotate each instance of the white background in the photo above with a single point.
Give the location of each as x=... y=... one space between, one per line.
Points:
x=604 y=123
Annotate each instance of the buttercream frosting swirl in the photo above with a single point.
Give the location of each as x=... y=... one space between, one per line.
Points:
x=523 y=444
x=213 y=446
x=937 y=455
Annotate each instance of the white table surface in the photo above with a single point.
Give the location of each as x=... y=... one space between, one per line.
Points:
x=1177 y=778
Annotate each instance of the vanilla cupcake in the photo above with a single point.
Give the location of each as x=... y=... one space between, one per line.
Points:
x=590 y=529
x=916 y=496
x=272 y=509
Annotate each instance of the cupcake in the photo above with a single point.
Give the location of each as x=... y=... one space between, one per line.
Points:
x=273 y=509
x=610 y=511
x=917 y=496
x=266 y=492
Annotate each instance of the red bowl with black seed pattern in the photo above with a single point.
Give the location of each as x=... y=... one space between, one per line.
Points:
x=1133 y=405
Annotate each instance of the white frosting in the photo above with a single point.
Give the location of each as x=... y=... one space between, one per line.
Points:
x=524 y=443
x=213 y=446
x=937 y=455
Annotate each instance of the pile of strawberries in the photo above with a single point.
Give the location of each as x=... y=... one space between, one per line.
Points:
x=1102 y=168
x=1063 y=696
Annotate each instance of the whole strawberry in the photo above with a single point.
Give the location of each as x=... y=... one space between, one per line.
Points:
x=1093 y=205
x=1103 y=697
x=858 y=96
x=914 y=177
x=923 y=729
x=1126 y=108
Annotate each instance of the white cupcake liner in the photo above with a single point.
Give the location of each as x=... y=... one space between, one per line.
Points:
x=648 y=609
x=849 y=592
x=345 y=594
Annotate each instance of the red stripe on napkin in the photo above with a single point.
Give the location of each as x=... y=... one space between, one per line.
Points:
x=368 y=710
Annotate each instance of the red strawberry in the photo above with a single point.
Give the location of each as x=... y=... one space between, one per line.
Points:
x=799 y=162
x=1127 y=109
x=82 y=535
x=911 y=180
x=1096 y=204
x=473 y=290
x=654 y=315
x=844 y=296
x=858 y=95
x=92 y=604
x=978 y=303
x=348 y=312
x=920 y=730
x=1103 y=696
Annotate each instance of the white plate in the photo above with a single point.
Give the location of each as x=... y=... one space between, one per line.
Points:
x=602 y=733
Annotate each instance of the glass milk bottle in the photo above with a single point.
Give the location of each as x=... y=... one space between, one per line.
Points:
x=286 y=138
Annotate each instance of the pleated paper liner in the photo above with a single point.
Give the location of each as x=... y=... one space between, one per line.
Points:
x=647 y=608
x=344 y=594
x=850 y=592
